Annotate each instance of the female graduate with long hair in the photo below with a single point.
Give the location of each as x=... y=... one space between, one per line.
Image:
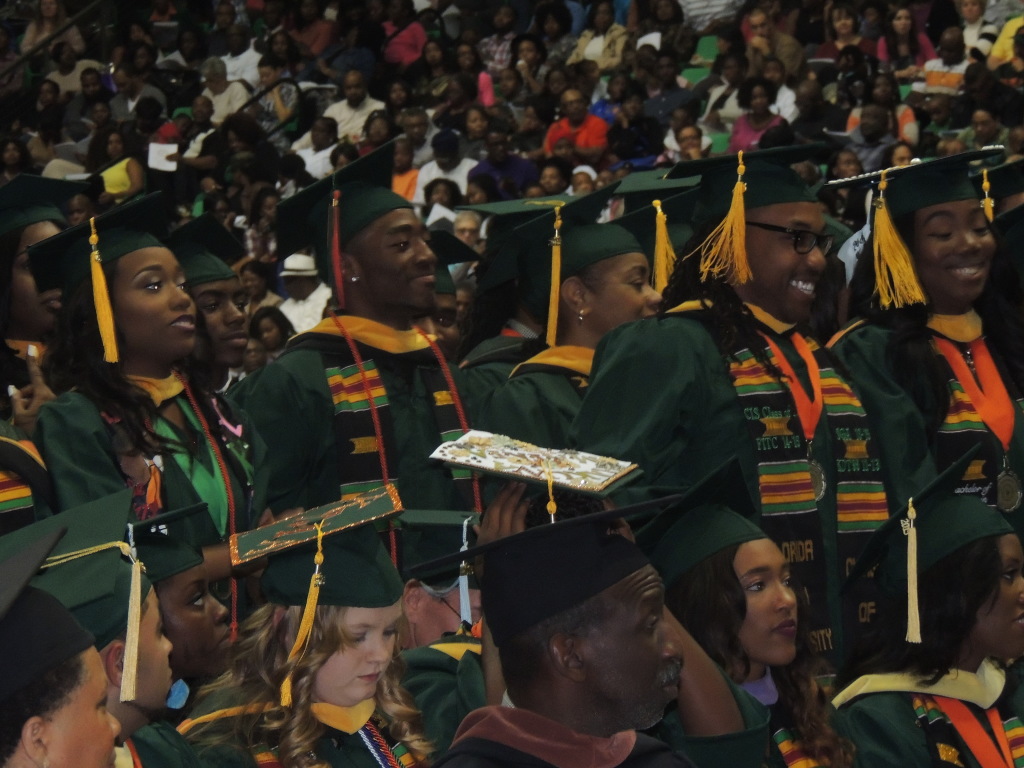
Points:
x=938 y=352
x=726 y=370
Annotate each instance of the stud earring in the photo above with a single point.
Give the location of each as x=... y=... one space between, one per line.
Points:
x=354 y=279
x=580 y=317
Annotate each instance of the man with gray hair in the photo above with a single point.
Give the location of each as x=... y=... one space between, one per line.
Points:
x=227 y=97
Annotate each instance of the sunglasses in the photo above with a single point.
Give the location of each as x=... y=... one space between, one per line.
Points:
x=804 y=241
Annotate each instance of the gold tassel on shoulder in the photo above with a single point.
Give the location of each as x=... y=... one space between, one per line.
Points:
x=556 y=279
x=988 y=204
x=913 y=613
x=724 y=252
x=664 y=254
x=895 y=277
x=308 y=614
x=101 y=298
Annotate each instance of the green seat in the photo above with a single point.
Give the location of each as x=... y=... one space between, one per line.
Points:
x=719 y=142
x=707 y=47
x=695 y=74
x=905 y=88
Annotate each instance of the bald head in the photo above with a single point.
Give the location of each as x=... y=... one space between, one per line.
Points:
x=951 y=46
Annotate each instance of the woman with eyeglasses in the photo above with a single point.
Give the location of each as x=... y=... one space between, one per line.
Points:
x=940 y=364
x=729 y=369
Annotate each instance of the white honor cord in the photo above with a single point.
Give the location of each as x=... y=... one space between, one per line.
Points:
x=465 y=610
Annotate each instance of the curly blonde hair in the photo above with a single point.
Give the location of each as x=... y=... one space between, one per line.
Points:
x=259 y=664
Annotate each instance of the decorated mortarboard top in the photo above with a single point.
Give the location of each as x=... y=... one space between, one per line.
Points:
x=510 y=459
x=36 y=632
x=205 y=250
x=364 y=186
x=164 y=553
x=663 y=226
x=716 y=513
x=28 y=199
x=1004 y=180
x=641 y=188
x=545 y=570
x=933 y=525
x=329 y=555
x=94 y=573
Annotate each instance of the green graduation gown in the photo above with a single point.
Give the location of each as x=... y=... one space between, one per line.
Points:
x=310 y=406
x=488 y=365
x=661 y=395
x=158 y=745
x=541 y=397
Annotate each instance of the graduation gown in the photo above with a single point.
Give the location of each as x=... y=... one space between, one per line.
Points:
x=488 y=366
x=541 y=397
x=310 y=407
x=893 y=725
x=661 y=395
x=158 y=745
x=446 y=679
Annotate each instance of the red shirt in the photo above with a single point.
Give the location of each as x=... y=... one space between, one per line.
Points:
x=592 y=133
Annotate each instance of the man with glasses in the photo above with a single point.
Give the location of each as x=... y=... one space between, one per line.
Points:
x=587 y=133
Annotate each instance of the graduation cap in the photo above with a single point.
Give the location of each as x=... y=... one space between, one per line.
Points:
x=36 y=632
x=329 y=555
x=660 y=227
x=427 y=534
x=28 y=199
x=1004 y=180
x=348 y=201
x=165 y=554
x=640 y=188
x=906 y=189
x=95 y=573
x=65 y=260
x=450 y=250
x=540 y=572
x=205 y=250
x=934 y=524
x=730 y=186
x=716 y=513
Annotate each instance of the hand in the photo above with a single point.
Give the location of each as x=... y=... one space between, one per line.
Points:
x=174 y=158
x=504 y=516
x=105 y=198
x=26 y=402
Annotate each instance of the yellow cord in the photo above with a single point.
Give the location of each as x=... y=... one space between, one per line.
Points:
x=308 y=614
x=988 y=204
x=664 y=254
x=101 y=298
x=556 y=279
x=913 y=612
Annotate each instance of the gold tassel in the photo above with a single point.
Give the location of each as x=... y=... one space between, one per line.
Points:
x=913 y=613
x=895 y=277
x=556 y=279
x=988 y=204
x=129 y=669
x=308 y=615
x=724 y=252
x=101 y=298
x=552 y=507
x=664 y=254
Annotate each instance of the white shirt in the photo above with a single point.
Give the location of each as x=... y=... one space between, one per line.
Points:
x=318 y=164
x=308 y=312
x=459 y=174
x=244 y=66
x=228 y=102
x=350 y=120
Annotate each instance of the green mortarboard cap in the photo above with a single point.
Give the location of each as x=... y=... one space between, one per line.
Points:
x=945 y=522
x=1010 y=226
x=205 y=250
x=356 y=569
x=506 y=215
x=1004 y=180
x=36 y=632
x=428 y=534
x=640 y=188
x=578 y=555
x=678 y=210
x=164 y=553
x=365 y=186
x=28 y=199
x=444 y=286
x=768 y=177
x=933 y=182
x=63 y=261
x=449 y=249
x=714 y=514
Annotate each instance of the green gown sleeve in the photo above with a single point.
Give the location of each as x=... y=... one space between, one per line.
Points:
x=536 y=407
x=445 y=689
x=896 y=422
x=480 y=382
x=742 y=749
x=660 y=396
x=884 y=731
x=75 y=443
x=290 y=406
x=160 y=746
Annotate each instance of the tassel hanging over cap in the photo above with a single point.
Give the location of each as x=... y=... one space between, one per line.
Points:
x=724 y=252
x=101 y=298
x=337 y=266
x=552 y=507
x=129 y=671
x=913 y=613
x=664 y=254
x=987 y=204
x=895 y=277
x=556 y=279
x=465 y=608
x=308 y=615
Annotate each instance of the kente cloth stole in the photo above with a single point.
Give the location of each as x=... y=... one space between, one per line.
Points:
x=945 y=743
x=792 y=750
x=963 y=428
x=384 y=754
x=23 y=479
x=789 y=513
x=359 y=468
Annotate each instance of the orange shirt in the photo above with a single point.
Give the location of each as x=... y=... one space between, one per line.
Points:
x=593 y=132
x=404 y=184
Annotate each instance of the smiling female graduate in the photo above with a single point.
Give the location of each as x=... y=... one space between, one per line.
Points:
x=938 y=353
x=727 y=371
x=127 y=416
x=932 y=689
